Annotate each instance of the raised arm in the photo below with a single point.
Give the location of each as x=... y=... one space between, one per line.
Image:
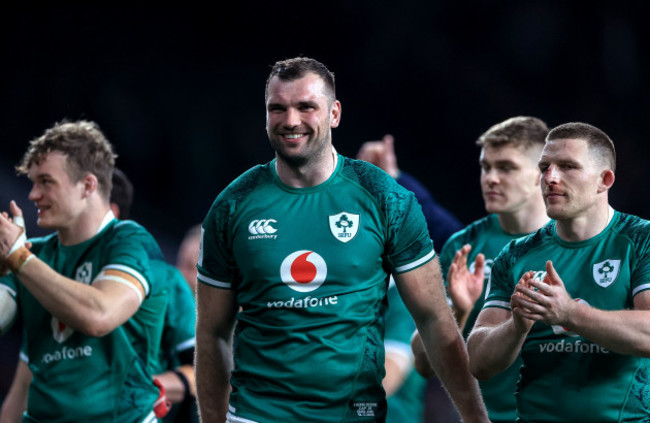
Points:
x=215 y=321
x=464 y=287
x=423 y=294
x=95 y=309
x=621 y=331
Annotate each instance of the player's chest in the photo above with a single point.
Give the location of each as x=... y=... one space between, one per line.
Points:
x=317 y=233
x=599 y=275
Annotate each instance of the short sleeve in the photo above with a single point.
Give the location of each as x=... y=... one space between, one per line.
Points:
x=409 y=244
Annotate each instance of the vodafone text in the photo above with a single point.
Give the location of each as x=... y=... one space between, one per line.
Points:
x=577 y=347
x=66 y=353
x=307 y=302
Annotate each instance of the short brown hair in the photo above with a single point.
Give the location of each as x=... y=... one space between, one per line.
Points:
x=598 y=141
x=86 y=148
x=296 y=68
x=524 y=131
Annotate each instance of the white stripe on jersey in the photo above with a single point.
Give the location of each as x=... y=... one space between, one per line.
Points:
x=186 y=344
x=103 y=276
x=231 y=418
x=132 y=272
x=416 y=263
x=640 y=288
x=213 y=282
x=151 y=418
x=499 y=304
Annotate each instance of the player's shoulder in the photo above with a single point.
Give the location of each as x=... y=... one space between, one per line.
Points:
x=130 y=232
x=476 y=229
x=516 y=249
x=39 y=243
x=247 y=182
x=632 y=226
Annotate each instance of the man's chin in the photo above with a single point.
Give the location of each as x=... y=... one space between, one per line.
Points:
x=293 y=160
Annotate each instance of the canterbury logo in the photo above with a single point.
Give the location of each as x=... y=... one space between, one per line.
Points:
x=262 y=227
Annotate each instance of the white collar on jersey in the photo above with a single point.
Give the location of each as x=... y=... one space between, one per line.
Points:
x=610 y=214
x=107 y=219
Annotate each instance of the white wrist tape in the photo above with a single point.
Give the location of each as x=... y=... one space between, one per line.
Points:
x=20 y=242
x=19 y=221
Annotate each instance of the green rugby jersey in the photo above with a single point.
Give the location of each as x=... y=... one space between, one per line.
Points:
x=407 y=404
x=178 y=334
x=310 y=268
x=82 y=378
x=566 y=377
x=486 y=236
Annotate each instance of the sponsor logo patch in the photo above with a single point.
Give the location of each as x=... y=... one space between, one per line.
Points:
x=303 y=271
x=262 y=229
x=344 y=226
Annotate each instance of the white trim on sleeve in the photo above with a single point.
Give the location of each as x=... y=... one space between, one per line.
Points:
x=213 y=282
x=416 y=263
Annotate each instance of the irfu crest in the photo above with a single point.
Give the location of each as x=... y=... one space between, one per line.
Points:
x=344 y=226
x=606 y=272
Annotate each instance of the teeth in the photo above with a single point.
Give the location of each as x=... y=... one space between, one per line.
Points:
x=292 y=136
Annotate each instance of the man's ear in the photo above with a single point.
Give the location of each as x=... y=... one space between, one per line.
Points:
x=606 y=180
x=90 y=184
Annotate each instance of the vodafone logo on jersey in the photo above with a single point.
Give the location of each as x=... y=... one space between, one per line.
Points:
x=303 y=271
x=60 y=331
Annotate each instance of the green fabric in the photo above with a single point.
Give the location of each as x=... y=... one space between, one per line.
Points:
x=566 y=377
x=310 y=269
x=407 y=404
x=486 y=236
x=83 y=378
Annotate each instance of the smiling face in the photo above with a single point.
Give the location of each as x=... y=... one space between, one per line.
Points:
x=509 y=177
x=572 y=178
x=299 y=118
x=58 y=198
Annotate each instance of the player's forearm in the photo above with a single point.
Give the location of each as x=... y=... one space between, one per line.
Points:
x=460 y=316
x=80 y=306
x=621 y=331
x=15 y=402
x=492 y=349
x=449 y=359
x=420 y=359
x=213 y=365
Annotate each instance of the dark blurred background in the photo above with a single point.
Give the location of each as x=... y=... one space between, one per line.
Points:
x=179 y=89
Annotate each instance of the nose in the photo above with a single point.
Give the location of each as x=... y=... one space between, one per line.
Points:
x=34 y=193
x=491 y=177
x=551 y=175
x=291 y=118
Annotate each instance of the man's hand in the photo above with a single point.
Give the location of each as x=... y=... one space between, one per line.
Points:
x=546 y=301
x=381 y=154
x=465 y=287
x=12 y=235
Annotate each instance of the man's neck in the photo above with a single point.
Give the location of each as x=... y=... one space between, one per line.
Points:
x=585 y=226
x=85 y=226
x=311 y=174
x=525 y=220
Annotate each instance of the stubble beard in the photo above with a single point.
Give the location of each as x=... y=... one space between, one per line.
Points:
x=299 y=160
